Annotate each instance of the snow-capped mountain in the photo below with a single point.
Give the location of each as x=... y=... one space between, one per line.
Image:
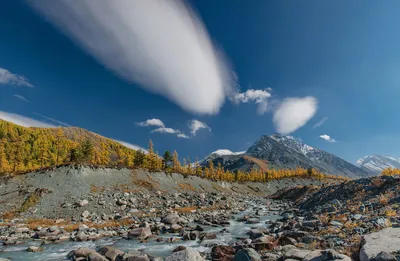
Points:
x=224 y=152
x=376 y=163
x=279 y=151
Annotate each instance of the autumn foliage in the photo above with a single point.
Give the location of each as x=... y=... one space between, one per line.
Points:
x=26 y=149
x=390 y=172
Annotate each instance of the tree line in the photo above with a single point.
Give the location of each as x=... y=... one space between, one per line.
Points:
x=28 y=149
x=390 y=172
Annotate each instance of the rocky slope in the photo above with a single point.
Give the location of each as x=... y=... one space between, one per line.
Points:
x=111 y=214
x=351 y=213
x=62 y=189
x=278 y=151
x=375 y=164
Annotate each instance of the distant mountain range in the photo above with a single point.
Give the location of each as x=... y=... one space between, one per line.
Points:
x=279 y=151
x=376 y=163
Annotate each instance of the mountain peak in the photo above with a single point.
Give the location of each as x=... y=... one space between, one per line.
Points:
x=376 y=163
x=223 y=152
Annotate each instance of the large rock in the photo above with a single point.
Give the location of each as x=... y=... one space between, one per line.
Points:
x=82 y=252
x=140 y=232
x=83 y=203
x=135 y=255
x=189 y=254
x=94 y=256
x=383 y=256
x=387 y=240
x=295 y=253
x=247 y=254
x=110 y=253
x=222 y=253
x=325 y=255
x=170 y=219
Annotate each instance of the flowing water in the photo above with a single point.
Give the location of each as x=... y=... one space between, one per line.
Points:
x=52 y=252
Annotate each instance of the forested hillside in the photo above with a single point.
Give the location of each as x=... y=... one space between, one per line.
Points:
x=26 y=149
x=23 y=149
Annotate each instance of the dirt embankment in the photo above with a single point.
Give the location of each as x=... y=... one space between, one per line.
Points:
x=46 y=193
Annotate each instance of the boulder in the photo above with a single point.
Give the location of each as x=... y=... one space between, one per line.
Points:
x=222 y=253
x=387 y=240
x=325 y=255
x=94 y=256
x=111 y=253
x=383 y=256
x=247 y=254
x=135 y=256
x=81 y=236
x=170 y=219
x=189 y=254
x=85 y=214
x=297 y=254
x=175 y=228
x=83 y=203
x=140 y=232
x=34 y=249
x=82 y=252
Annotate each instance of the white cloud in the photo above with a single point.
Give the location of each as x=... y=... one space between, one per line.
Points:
x=293 y=113
x=23 y=121
x=320 y=123
x=196 y=125
x=183 y=136
x=151 y=122
x=161 y=45
x=327 y=138
x=166 y=130
x=161 y=128
x=6 y=77
x=131 y=146
x=59 y=123
x=22 y=98
x=260 y=97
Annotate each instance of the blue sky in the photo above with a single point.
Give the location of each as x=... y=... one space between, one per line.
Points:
x=333 y=60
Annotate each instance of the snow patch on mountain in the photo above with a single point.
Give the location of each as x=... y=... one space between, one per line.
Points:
x=225 y=152
x=377 y=163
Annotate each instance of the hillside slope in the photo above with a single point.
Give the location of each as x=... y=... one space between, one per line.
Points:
x=23 y=149
x=66 y=185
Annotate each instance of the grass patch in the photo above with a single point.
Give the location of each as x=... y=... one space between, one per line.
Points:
x=96 y=189
x=187 y=187
x=30 y=201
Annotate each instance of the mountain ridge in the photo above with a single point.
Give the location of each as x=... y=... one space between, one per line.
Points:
x=377 y=163
x=279 y=151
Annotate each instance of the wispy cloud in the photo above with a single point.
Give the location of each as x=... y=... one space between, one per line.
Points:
x=161 y=127
x=196 y=125
x=6 y=77
x=320 y=123
x=293 y=113
x=183 y=136
x=327 y=138
x=131 y=146
x=22 y=98
x=52 y=120
x=166 y=130
x=161 y=45
x=260 y=97
x=151 y=122
x=23 y=120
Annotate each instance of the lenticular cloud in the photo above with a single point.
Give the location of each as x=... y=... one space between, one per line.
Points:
x=161 y=45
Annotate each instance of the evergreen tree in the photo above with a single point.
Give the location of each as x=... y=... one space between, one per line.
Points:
x=87 y=150
x=139 y=158
x=167 y=158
